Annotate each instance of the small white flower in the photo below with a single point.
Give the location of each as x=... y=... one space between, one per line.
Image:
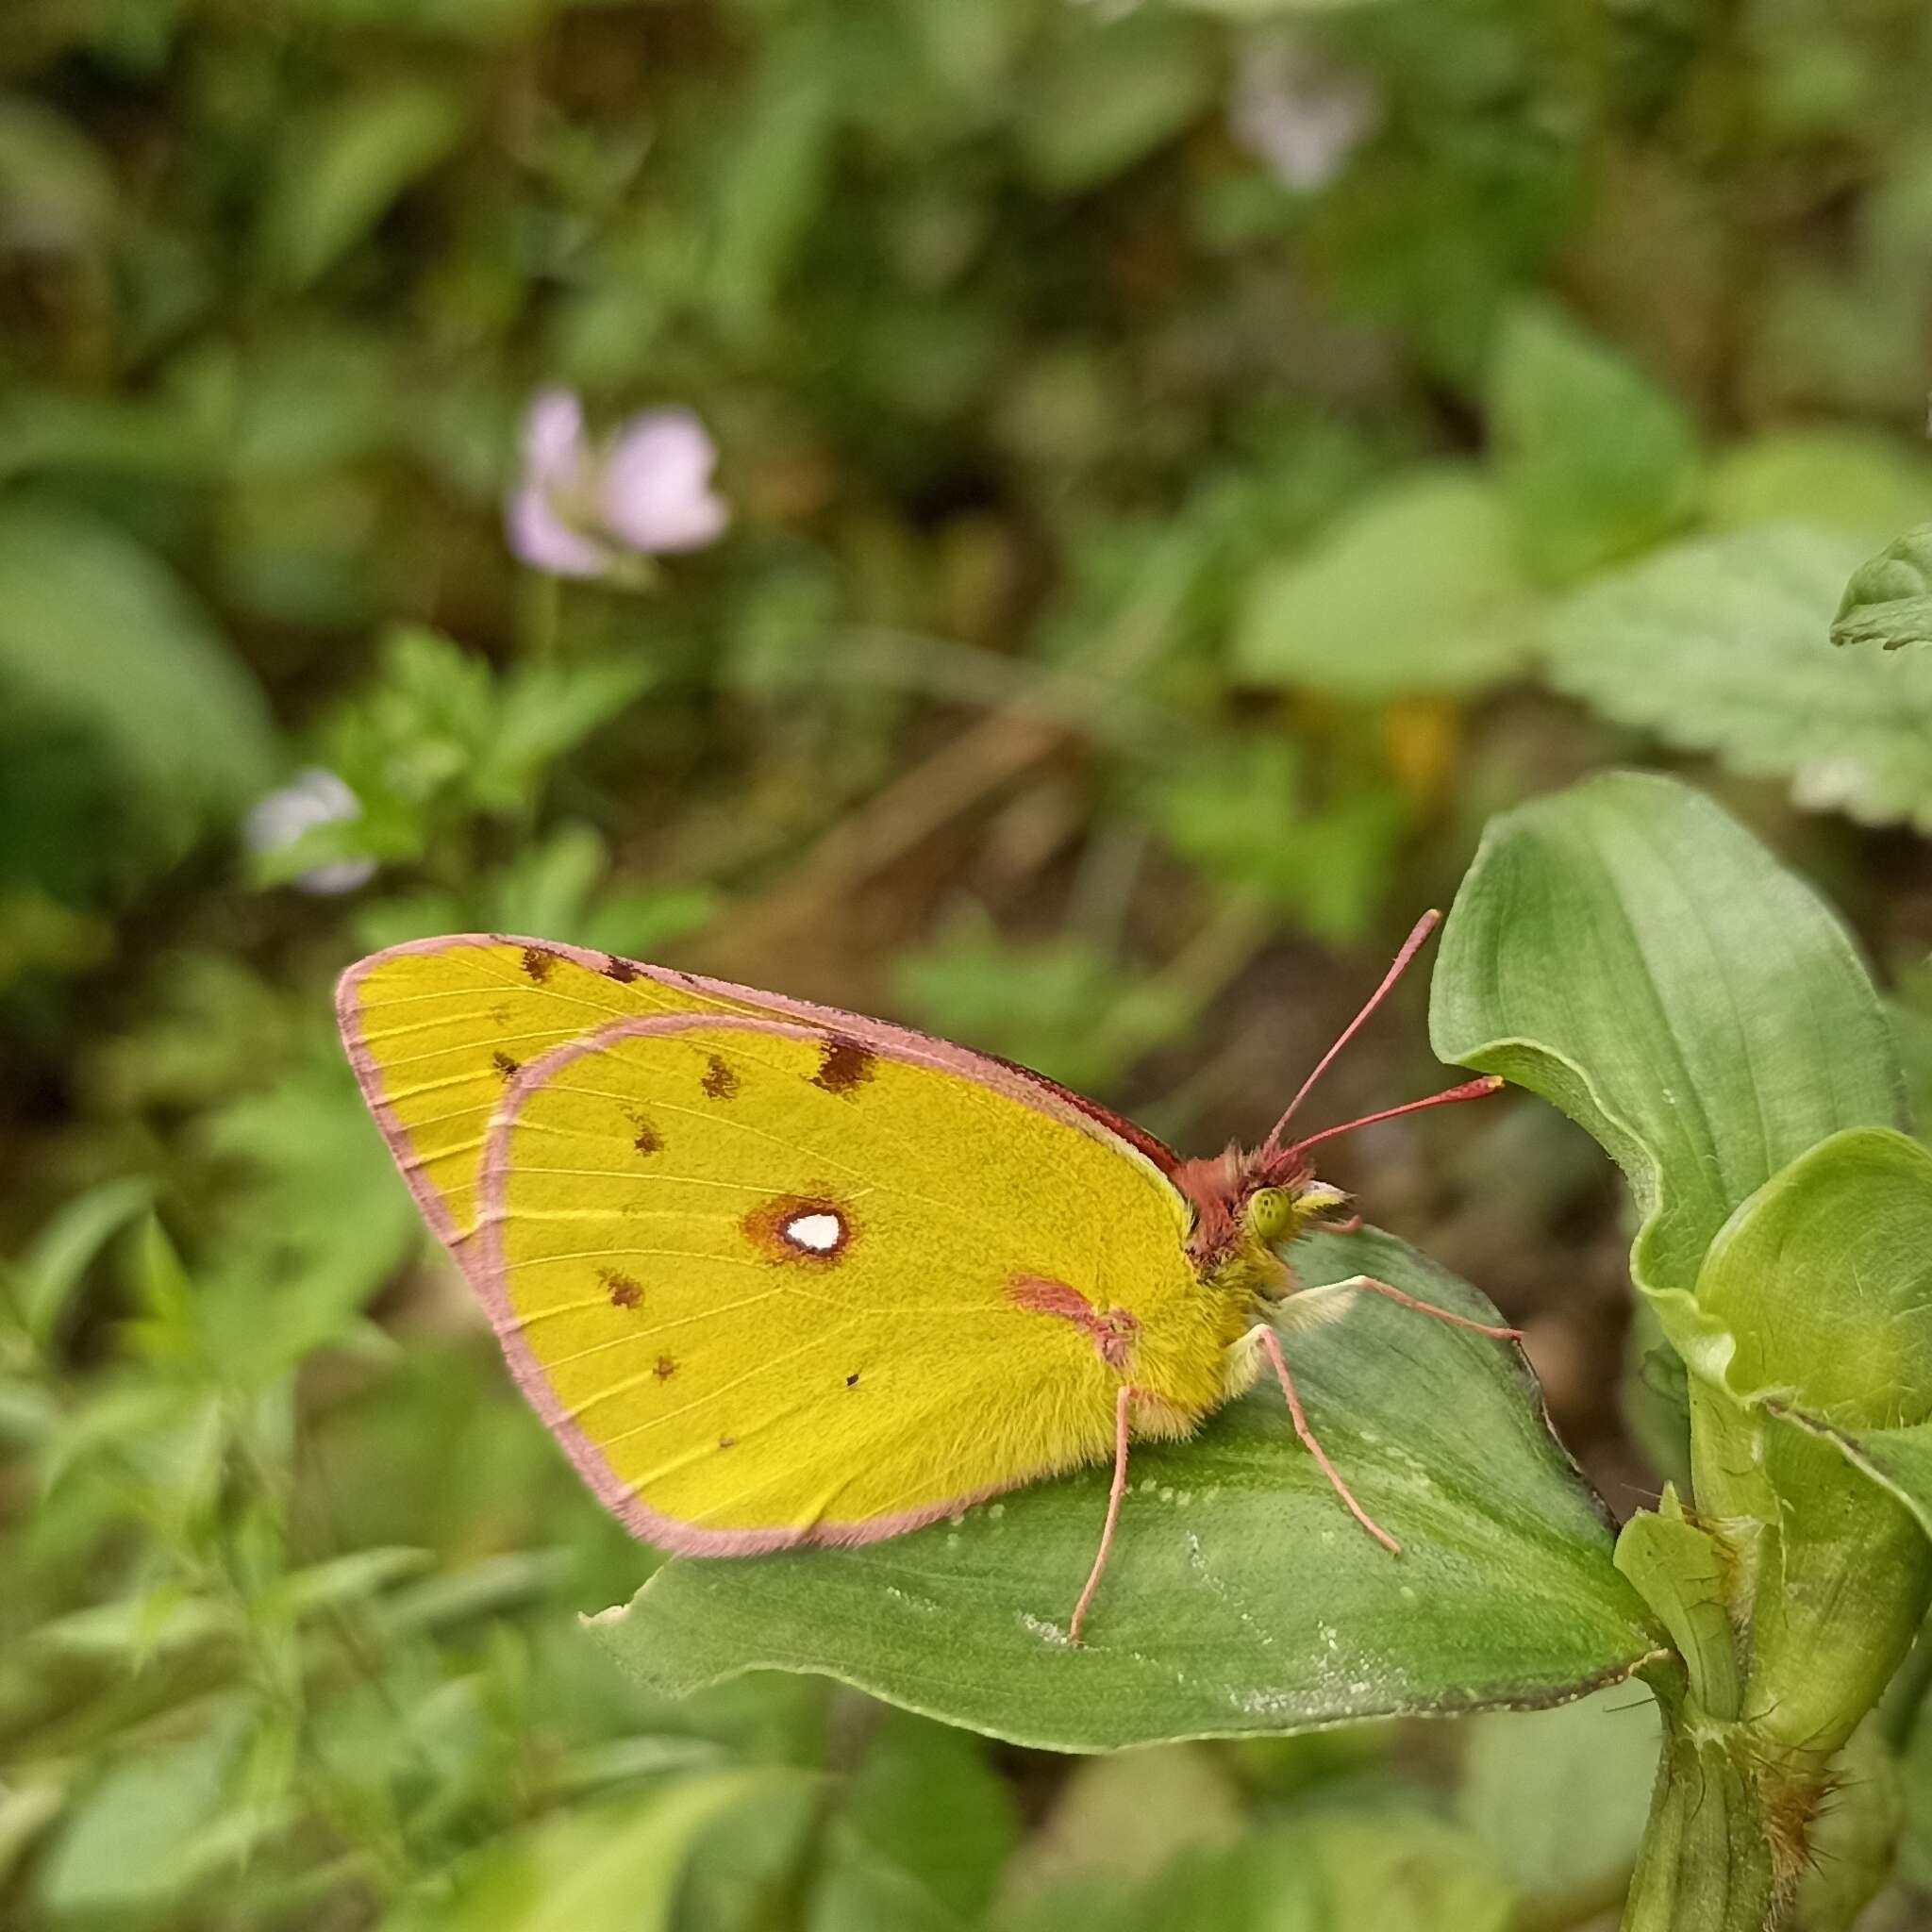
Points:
x=1300 y=113
x=578 y=509
x=313 y=797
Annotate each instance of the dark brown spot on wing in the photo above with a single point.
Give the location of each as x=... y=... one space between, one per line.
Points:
x=624 y=1292
x=720 y=1078
x=766 y=1228
x=728 y=1441
x=649 y=1140
x=536 y=963
x=507 y=1067
x=666 y=1367
x=852 y=1381
x=620 y=970
x=843 y=1064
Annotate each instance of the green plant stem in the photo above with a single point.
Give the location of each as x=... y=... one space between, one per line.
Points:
x=539 y=609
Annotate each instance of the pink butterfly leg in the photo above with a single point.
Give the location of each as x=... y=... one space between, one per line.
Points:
x=1272 y=1342
x=1122 y=1402
x=1408 y=1301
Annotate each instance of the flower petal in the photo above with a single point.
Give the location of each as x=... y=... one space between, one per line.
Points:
x=656 y=495
x=538 y=537
x=553 y=436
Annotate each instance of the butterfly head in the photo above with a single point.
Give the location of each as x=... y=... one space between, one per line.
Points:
x=1245 y=1206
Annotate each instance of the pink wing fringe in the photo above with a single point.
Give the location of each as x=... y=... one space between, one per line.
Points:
x=479 y=1255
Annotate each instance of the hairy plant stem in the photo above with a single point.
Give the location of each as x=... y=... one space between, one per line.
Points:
x=1793 y=1596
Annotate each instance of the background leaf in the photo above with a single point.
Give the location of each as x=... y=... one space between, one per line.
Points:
x=1723 y=646
x=96 y=629
x=1595 y=459
x=1889 y=601
x=1415 y=588
x=345 y=165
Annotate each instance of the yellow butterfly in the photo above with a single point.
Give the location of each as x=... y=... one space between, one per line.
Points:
x=776 y=1273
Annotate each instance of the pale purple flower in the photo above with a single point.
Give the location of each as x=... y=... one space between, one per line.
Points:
x=579 y=509
x=313 y=797
x=1298 y=112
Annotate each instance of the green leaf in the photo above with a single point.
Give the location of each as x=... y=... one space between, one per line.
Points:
x=1825 y=1277
x=1416 y=588
x=95 y=628
x=344 y=168
x=927 y=1799
x=1889 y=601
x=613 y=1867
x=1393 y=1871
x=1559 y=1796
x=152 y=1829
x=1865 y=485
x=56 y=188
x=1679 y=1570
x=55 y=1264
x=1819 y=1287
x=1258 y=823
x=1596 y=460
x=1241 y=1598
x=1108 y=95
x=1066 y=1004
x=1723 y=645
x=1631 y=953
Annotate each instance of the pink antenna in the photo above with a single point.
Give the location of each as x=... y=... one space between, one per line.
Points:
x=1469 y=1089
x=1411 y=947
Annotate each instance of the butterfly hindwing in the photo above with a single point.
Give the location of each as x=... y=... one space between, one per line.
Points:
x=772 y=1272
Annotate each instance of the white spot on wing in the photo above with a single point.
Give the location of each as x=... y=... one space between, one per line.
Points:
x=819 y=1233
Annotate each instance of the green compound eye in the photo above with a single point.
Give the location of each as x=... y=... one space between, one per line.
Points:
x=1271 y=1212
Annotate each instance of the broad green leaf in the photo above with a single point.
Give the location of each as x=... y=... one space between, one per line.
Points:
x=1865 y=485
x=1415 y=588
x=614 y=1867
x=343 y=168
x=150 y=1829
x=1631 y=953
x=1596 y=460
x=1241 y=1598
x=1392 y=1870
x=57 y=1262
x=1889 y=601
x=1123 y=1819
x=1824 y=1283
x=1824 y=1277
x=1272 y=835
x=925 y=1799
x=1723 y=645
x=1559 y=1796
x=1108 y=95
x=860 y=1890
x=56 y=188
x=95 y=628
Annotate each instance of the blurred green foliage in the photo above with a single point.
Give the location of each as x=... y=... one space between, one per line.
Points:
x=1189 y=464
